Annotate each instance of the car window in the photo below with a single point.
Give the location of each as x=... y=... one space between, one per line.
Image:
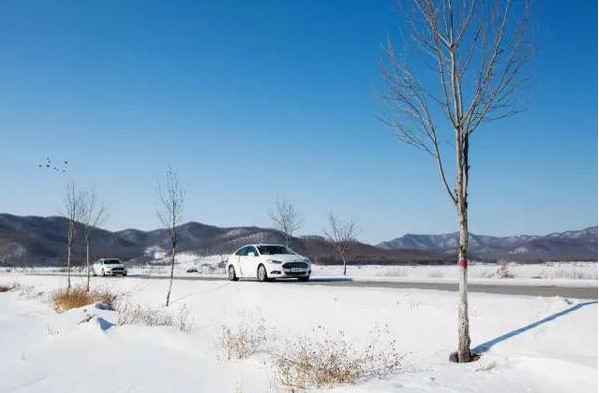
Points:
x=241 y=251
x=112 y=262
x=275 y=250
x=252 y=249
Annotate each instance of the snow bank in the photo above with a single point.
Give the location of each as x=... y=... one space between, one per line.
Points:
x=527 y=351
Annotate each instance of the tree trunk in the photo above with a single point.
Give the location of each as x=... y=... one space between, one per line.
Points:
x=464 y=354
x=69 y=264
x=170 y=284
x=87 y=260
x=344 y=265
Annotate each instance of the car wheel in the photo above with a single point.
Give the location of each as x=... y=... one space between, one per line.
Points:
x=303 y=279
x=94 y=273
x=103 y=272
x=262 y=276
x=231 y=274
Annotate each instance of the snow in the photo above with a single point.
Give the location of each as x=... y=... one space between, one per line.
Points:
x=565 y=273
x=48 y=352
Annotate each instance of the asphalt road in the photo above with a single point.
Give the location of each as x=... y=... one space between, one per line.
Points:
x=506 y=289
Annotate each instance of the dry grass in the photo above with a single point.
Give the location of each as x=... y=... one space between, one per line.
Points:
x=247 y=338
x=6 y=287
x=141 y=315
x=571 y=272
x=504 y=271
x=321 y=360
x=78 y=297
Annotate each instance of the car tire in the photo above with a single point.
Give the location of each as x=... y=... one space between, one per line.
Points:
x=262 y=275
x=231 y=274
x=103 y=272
x=94 y=273
x=303 y=279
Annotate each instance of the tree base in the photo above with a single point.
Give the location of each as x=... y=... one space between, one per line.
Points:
x=473 y=357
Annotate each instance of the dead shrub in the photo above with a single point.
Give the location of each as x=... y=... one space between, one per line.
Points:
x=504 y=271
x=64 y=299
x=142 y=315
x=247 y=338
x=321 y=360
x=105 y=297
x=7 y=287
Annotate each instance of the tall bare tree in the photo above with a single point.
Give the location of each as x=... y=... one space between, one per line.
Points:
x=94 y=214
x=340 y=235
x=286 y=219
x=473 y=54
x=72 y=210
x=170 y=213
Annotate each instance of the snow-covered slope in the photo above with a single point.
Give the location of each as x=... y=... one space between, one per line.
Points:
x=533 y=344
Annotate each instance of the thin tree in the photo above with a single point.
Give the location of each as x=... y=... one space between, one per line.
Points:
x=286 y=219
x=94 y=214
x=72 y=210
x=170 y=213
x=474 y=53
x=340 y=235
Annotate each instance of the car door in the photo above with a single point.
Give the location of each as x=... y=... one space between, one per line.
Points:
x=250 y=262
x=241 y=255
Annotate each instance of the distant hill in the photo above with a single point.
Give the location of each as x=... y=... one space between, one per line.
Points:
x=570 y=245
x=41 y=241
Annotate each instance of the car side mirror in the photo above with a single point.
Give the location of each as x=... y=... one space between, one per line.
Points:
x=251 y=254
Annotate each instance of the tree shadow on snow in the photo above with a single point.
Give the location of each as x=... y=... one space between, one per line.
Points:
x=484 y=347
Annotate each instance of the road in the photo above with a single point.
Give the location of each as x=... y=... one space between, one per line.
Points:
x=504 y=289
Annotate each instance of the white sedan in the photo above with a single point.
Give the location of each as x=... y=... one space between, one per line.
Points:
x=268 y=261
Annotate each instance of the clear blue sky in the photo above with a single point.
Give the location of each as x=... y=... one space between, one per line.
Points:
x=254 y=100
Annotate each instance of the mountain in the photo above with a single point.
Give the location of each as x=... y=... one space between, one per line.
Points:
x=41 y=241
x=570 y=245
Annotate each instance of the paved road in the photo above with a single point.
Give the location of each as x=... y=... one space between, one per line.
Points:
x=506 y=289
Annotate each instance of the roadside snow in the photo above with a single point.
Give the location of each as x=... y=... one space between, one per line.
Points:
x=48 y=352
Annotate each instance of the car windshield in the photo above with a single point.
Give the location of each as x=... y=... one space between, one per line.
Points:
x=111 y=262
x=274 y=250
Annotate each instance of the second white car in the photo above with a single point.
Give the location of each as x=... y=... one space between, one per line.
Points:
x=266 y=262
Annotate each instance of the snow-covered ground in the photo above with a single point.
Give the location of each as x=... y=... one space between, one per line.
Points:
x=556 y=273
x=536 y=344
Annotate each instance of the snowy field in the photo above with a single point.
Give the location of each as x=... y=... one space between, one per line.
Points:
x=565 y=273
x=533 y=344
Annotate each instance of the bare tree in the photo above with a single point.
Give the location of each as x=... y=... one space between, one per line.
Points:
x=170 y=213
x=474 y=53
x=286 y=219
x=72 y=210
x=340 y=235
x=94 y=214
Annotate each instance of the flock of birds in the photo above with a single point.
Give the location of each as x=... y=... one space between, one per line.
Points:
x=52 y=166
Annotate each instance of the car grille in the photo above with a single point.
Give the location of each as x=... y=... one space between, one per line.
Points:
x=292 y=265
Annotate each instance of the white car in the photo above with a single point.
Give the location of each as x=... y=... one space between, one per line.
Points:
x=268 y=261
x=109 y=267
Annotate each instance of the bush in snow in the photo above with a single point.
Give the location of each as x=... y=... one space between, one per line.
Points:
x=142 y=315
x=504 y=271
x=322 y=360
x=7 y=287
x=64 y=299
x=243 y=341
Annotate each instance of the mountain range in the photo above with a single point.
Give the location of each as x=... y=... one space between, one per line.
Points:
x=41 y=241
x=570 y=245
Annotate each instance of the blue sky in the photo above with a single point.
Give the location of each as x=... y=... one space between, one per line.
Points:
x=265 y=99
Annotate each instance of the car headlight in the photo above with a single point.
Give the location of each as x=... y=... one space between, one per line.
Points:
x=275 y=261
